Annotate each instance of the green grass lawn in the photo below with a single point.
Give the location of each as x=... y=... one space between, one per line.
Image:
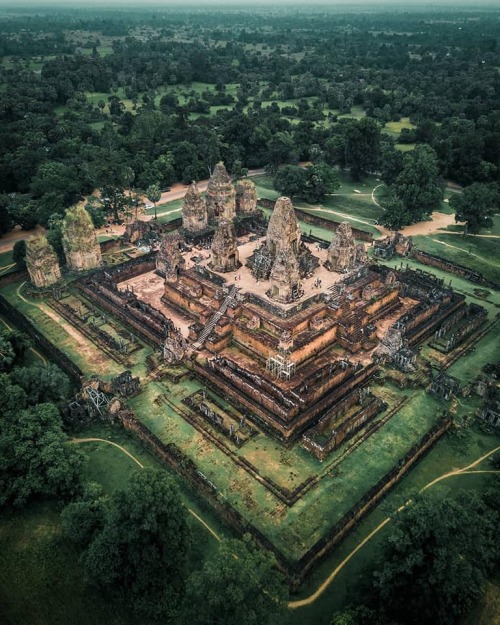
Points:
x=480 y=254
x=357 y=112
x=73 y=343
x=41 y=580
x=455 y=450
x=405 y=147
x=394 y=129
x=294 y=530
x=6 y=262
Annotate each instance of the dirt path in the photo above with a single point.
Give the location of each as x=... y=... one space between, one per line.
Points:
x=321 y=589
x=8 y=240
x=373 y=196
x=77 y=441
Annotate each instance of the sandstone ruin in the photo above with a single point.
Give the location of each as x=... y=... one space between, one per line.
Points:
x=169 y=259
x=80 y=244
x=42 y=263
x=290 y=341
x=246 y=197
x=225 y=248
x=342 y=253
x=220 y=195
x=194 y=211
x=283 y=228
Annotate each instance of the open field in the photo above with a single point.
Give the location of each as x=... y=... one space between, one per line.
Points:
x=393 y=129
x=352 y=202
x=480 y=254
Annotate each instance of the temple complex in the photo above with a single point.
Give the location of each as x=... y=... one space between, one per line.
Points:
x=80 y=244
x=41 y=262
x=194 y=211
x=288 y=331
x=220 y=195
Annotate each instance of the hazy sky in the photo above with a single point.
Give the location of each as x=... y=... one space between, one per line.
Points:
x=247 y=3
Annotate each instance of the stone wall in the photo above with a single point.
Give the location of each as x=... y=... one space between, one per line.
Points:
x=458 y=270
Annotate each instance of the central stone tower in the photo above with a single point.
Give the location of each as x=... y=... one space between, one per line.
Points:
x=283 y=229
x=80 y=244
x=285 y=277
x=221 y=196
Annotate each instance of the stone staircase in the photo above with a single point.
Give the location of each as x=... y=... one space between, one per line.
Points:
x=208 y=329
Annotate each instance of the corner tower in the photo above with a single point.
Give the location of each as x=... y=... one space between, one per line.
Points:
x=194 y=211
x=221 y=196
x=80 y=244
x=42 y=263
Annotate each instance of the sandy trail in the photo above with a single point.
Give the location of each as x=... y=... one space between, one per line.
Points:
x=8 y=240
x=321 y=589
x=77 y=441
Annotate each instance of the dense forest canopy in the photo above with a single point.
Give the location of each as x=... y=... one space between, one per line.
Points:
x=135 y=98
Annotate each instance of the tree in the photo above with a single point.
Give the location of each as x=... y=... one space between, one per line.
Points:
x=290 y=180
x=35 y=458
x=114 y=201
x=239 y=585
x=19 y=253
x=5 y=218
x=437 y=558
x=153 y=193
x=358 y=615
x=321 y=179
x=395 y=214
x=54 y=236
x=56 y=177
x=140 y=552
x=476 y=206
x=95 y=209
x=280 y=149
x=391 y=163
x=417 y=186
x=7 y=353
x=356 y=146
x=42 y=383
x=25 y=214
x=13 y=345
x=84 y=518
